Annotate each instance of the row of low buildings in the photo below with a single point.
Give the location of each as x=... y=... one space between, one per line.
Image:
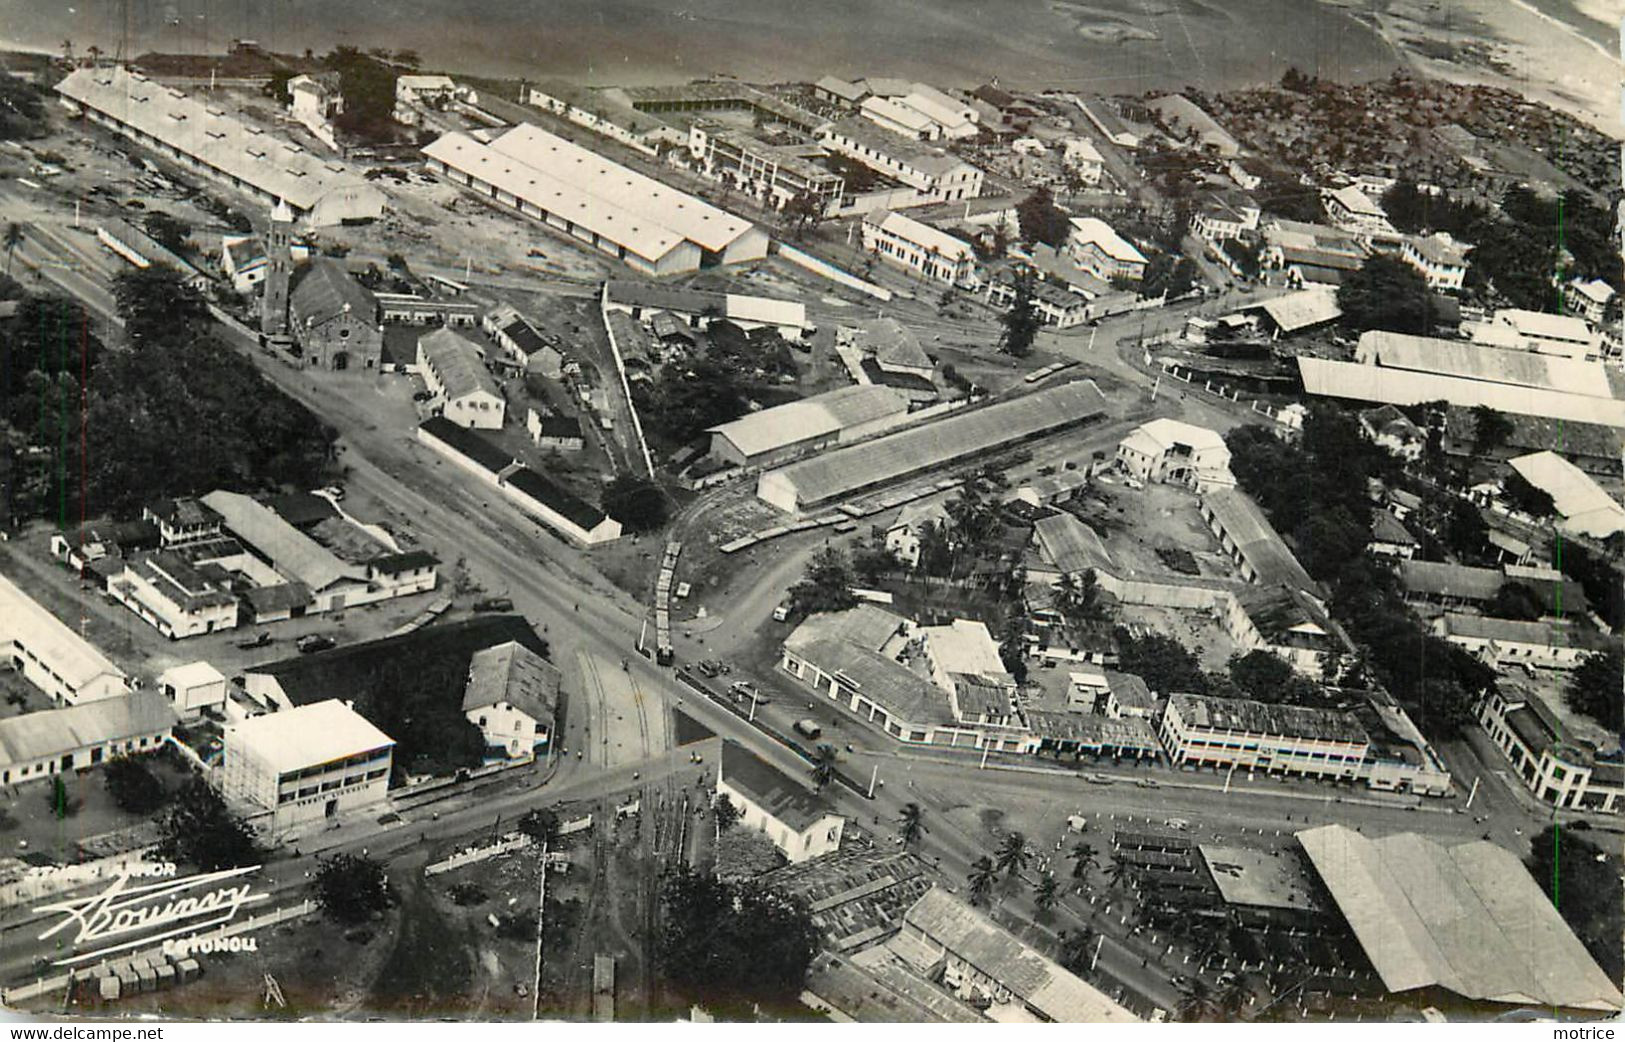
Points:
x=228 y=559
x=531 y=491
x=648 y=225
x=203 y=137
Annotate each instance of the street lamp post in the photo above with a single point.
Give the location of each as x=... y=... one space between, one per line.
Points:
x=541 y=906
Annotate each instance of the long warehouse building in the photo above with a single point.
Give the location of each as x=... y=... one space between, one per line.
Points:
x=652 y=227
x=895 y=457
x=202 y=137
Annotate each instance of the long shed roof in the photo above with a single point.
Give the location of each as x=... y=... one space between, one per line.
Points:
x=1468 y=918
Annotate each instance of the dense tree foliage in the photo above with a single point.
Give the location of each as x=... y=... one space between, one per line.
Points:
x=1169 y=273
x=1516 y=250
x=1597 y=573
x=733 y=947
x=200 y=831
x=133 y=786
x=177 y=412
x=1267 y=677
x=687 y=401
x=1582 y=878
x=22 y=109
x=541 y=824
x=1162 y=662
x=1387 y=293
x=1315 y=494
x=637 y=503
x=1594 y=689
x=1522 y=496
x=167 y=229
x=1515 y=600
x=1021 y=319
x=825 y=586
x=368 y=86
x=351 y=888
x=1041 y=220
x=408 y=700
x=1491 y=429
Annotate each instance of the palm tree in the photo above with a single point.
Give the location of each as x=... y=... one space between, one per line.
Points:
x=824 y=760
x=911 y=824
x=982 y=877
x=1235 y=997
x=1078 y=948
x=1197 y=1003
x=14 y=238
x=1013 y=855
x=1121 y=874
x=1046 y=893
x=1083 y=859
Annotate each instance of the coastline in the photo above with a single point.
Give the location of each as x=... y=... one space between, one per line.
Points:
x=1525 y=49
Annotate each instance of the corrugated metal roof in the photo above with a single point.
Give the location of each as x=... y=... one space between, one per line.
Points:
x=514 y=674
x=1039 y=982
x=1373 y=383
x=1070 y=544
x=825 y=414
x=1467 y=918
x=919 y=448
x=55 y=732
x=1582 y=502
x=459 y=364
x=1474 y=361
x=274 y=166
x=289 y=550
x=71 y=656
x=1257 y=540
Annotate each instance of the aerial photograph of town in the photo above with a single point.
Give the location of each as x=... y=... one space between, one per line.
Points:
x=840 y=512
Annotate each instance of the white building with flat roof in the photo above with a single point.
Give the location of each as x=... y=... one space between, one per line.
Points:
x=50 y=655
x=1588 y=298
x=306 y=764
x=652 y=227
x=192 y=688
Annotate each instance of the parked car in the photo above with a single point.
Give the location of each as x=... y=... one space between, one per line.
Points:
x=1179 y=824
x=312 y=642
x=258 y=640
x=494 y=604
x=781 y=613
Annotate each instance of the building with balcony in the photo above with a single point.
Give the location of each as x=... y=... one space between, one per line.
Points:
x=1560 y=768
x=308 y=764
x=1233 y=733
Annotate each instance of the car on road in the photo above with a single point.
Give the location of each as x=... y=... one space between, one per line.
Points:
x=1148 y=783
x=258 y=640
x=808 y=728
x=743 y=689
x=494 y=604
x=708 y=667
x=781 y=613
x=313 y=642
x=1178 y=824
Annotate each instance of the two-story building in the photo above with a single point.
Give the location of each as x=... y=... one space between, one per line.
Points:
x=1441 y=260
x=512 y=696
x=175 y=597
x=51 y=655
x=1199 y=731
x=308 y=764
x=907 y=243
x=1096 y=248
x=1560 y=768
x=461 y=388
x=1176 y=453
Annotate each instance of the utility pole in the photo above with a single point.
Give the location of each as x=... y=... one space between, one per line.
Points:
x=1098 y=945
x=985 y=748
x=873 y=774
x=541 y=907
x=1473 y=793
x=1229 y=775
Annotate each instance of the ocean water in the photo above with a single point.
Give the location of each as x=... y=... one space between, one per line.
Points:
x=1091 y=45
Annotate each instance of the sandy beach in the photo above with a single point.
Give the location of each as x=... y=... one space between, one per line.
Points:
x=1512 y=44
